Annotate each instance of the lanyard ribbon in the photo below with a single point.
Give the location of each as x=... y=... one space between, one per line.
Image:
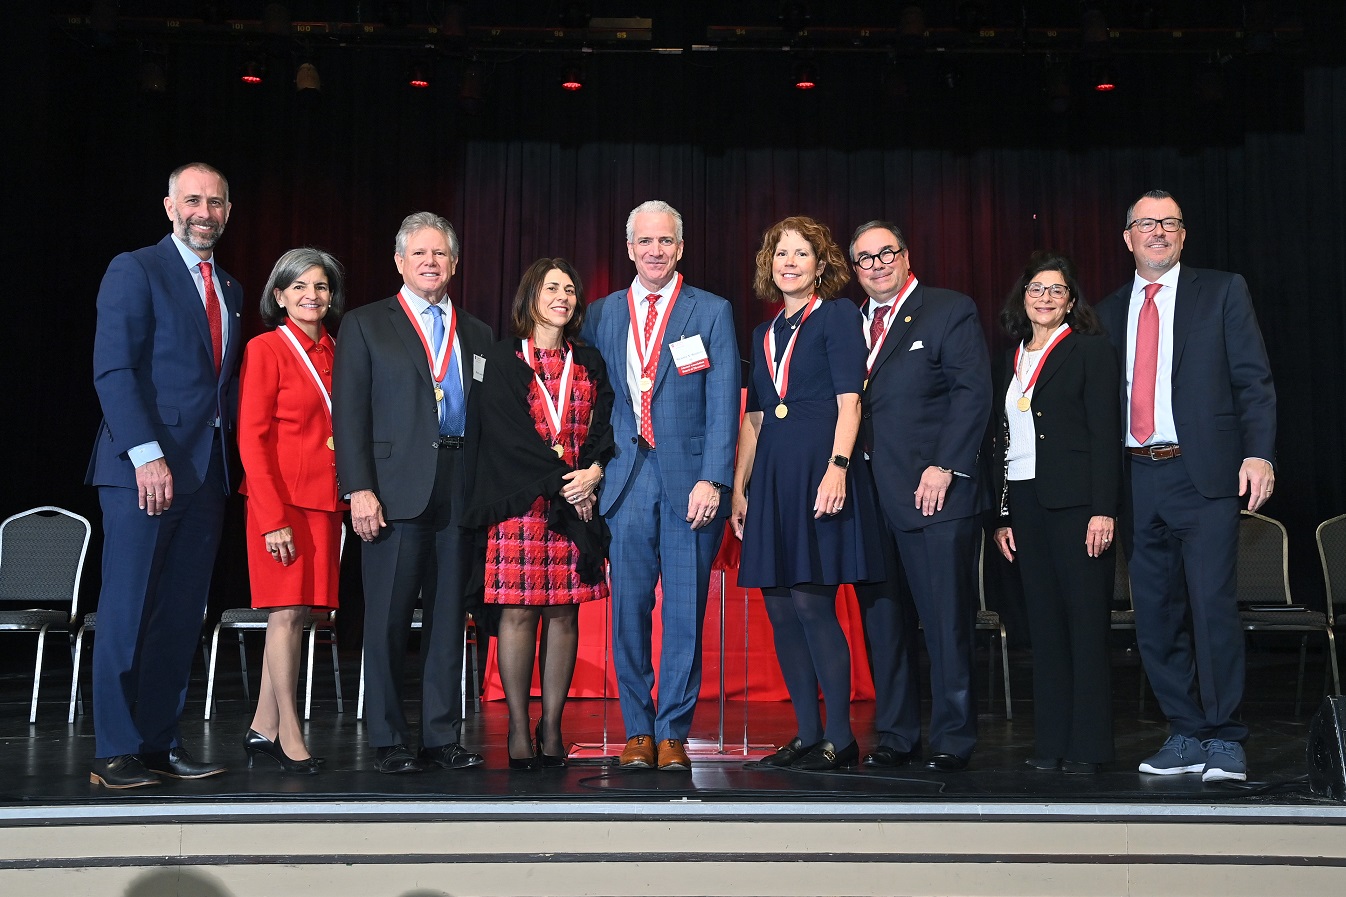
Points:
x=780 y=374
x=439 y=364
x=1061 y=333
x=555 y=410
x=299 y=352
x=648 y=356
x=891 y=310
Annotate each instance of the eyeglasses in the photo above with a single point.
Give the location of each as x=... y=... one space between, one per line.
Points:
x=1146 y=225
x=884 y=256
x=1057 y=290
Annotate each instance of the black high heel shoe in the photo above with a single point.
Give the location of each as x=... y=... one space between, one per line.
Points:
x=545 y=760
x=254 y=744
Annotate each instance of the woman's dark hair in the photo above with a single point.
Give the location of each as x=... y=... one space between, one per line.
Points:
x=825 y=249
x=288 y=269
x=1014 y=318
x=523 y=318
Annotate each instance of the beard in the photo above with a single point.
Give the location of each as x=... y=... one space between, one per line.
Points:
x=195 y=240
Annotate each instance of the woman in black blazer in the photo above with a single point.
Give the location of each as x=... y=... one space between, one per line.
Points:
x=1059 y=446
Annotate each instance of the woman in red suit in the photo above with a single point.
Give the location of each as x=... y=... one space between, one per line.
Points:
x=544 y=410
x=294 y=516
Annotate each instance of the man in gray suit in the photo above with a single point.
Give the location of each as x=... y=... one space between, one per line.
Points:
x=400 y=388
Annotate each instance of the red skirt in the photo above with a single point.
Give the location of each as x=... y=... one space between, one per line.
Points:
x=528 y=564
x=313 y=578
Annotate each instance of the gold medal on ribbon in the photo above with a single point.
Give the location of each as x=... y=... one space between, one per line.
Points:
x=645 y=384
x=559 y=449
x=439 y=395
x=864 y=386
x=781 y=411
x=331 y=443
x=1024 y=403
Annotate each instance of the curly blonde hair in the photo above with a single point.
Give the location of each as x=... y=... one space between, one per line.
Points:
x=835 y=274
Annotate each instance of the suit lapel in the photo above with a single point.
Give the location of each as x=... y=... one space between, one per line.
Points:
x=185 y=286
x=614 y=333
x=678 y=316
x=1185 y=303
x=1054 y=361
x=410 y=337
x=899 y=323
x=468 y=346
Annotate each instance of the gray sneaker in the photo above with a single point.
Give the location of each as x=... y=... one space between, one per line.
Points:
x=1179 y=754
x=1225 y=761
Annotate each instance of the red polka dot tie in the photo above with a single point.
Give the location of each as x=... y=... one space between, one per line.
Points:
x=651 y=366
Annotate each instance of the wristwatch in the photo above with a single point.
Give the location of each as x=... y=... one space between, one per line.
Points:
x=840 y=461
x=720 y=486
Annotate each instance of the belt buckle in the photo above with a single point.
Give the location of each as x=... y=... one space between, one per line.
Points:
x=1161 y=451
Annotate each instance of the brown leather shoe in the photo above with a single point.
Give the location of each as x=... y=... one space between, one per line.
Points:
x=638 y=753
x=673 y=756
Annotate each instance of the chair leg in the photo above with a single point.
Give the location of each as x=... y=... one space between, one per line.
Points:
x=1004 y=663
x=336 y=674
x=308 y=679
x=462 y=686
x=210 y=670
x=37 y=674
x=360 y=701
x=1332 y=655
x=243 y=669
x=476 y=676
x=74 y=676
x=1299 y=682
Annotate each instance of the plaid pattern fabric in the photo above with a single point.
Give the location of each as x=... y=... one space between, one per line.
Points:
x=526 y=563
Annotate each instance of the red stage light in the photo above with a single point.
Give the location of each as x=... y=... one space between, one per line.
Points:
x=573 y=80
x=418 y=78
x=1104 y=85
x=805 y=79
x=252 y=73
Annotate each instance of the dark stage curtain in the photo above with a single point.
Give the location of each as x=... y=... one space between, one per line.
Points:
x=538 y=173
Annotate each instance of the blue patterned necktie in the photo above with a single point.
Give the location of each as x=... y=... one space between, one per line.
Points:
x=452 y=411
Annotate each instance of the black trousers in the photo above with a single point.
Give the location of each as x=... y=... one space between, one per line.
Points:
x=1068 y=596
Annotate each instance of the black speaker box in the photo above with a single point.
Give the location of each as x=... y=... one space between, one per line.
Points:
x=1327 y=749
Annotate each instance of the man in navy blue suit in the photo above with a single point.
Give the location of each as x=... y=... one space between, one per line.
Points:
x=1199 y=413
x=165 y=362
x=924 y=413
x=673 y=359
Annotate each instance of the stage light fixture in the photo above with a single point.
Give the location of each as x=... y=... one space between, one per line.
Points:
x=806 y=78
x=152 y=78
x=276 y=19
x=306 y=78
x=573 y=79
x=253 y=72
x=1105 y=79
x=419 y=77
x=471 y=94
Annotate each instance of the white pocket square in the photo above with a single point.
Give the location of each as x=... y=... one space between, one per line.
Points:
x=916 y=345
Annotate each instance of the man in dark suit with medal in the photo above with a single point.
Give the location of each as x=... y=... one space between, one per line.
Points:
x=165 y=365
x=924 y=411
x=401 y=385
x=1199 y=414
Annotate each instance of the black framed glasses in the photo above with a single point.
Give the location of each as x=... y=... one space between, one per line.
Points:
x=884 y=256
x=1057 y=290
x=1147 y=225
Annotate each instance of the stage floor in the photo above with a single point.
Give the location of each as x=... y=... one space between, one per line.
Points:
x=47 y=764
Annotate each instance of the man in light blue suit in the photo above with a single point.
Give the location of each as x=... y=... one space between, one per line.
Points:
x=674 y=362
x=165 y=360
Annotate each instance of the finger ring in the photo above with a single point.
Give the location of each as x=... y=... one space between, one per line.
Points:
x=149 y=495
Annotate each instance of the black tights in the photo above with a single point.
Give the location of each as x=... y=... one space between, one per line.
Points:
x=516 y=645
x=812 y=651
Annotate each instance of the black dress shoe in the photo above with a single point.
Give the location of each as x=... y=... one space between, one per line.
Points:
x=397 y=758
x=946 y=763
x=450 y=756
x=786 y=754
x=1044 y=764
x=254 y=744
x=121 y=772
x=1079 y=768
x=545 y=760
x=888 y=758
x=177 y=763
x=824 y=755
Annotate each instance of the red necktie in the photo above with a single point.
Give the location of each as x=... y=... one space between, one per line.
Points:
x=213 y=317
x=879 y=322
x=1146 y=367
x=651 y=365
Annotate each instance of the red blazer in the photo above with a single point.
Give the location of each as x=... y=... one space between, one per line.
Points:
x=283 y=430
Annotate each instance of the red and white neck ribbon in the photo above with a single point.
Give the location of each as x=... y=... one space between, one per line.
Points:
x=312 y=371
x=1061 y=333
x=780 y=374
x=891 y=311
x=648 y=355
x=556 y=410
x=439 y=363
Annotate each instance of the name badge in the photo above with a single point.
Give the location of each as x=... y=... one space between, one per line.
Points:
x=478 y=368
x=689 y=354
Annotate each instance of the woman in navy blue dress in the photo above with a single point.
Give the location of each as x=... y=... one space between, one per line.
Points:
x=807 y=525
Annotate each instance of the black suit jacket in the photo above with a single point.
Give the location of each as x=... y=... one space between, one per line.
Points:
x=1224 y=402
x=384 y=416
x=926 y=403
x=1076 y=423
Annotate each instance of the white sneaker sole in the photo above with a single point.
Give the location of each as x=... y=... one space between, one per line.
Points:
x=1223 y=775
x=1171 y=770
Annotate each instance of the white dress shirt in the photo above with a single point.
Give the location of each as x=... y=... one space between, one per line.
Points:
x=633 y=372
x=1164 y=428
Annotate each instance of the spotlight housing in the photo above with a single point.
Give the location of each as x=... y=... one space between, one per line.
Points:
x=806 y=77
x=253 y=74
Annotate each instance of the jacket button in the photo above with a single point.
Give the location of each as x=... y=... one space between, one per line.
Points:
x=1039 y=414
x=434 y=445
x=635 y=440
x=1040 y=436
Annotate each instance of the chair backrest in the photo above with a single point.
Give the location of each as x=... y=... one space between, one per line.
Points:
x=1263 y=560
x=42 y=556
x=1331 y=537
x=1121 y=582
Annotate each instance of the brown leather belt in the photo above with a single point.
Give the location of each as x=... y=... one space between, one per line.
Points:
x=1161 y=452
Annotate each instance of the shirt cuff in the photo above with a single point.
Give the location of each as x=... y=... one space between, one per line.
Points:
x=144 y=453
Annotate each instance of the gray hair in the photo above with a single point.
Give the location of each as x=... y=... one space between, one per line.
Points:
x=654 y=206
x=876 y=224
x=288 y=269
x=197 y=166
x=1149 y=194
x=420 y=221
